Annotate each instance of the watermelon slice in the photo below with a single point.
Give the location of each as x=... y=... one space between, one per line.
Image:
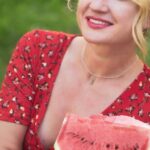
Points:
x=102 y=133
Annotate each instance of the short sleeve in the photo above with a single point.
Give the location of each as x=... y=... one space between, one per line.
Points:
x=17 y=91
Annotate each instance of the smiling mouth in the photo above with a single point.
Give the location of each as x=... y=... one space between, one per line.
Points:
x=98 y=23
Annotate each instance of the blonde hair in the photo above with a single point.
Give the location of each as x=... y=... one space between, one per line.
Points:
x=142 y=20
x=69 y=4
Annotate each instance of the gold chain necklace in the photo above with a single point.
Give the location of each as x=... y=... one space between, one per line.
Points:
x=94 y=76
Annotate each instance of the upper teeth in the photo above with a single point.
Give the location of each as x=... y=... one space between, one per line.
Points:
x=97 y=21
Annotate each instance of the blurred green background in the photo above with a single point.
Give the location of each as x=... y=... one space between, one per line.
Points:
x=20 y=16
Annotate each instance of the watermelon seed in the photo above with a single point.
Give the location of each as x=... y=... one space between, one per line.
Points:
x=92 y=143
x=136 y=147
x=82 y=139
x=74 y=135
x=107 y=145
x=116 y=147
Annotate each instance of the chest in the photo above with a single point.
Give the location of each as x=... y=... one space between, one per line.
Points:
x=72 y=94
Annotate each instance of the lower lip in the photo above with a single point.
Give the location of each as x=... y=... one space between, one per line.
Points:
x=96 y=26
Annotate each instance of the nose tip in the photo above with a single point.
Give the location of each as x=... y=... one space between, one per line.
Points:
x=99 y=5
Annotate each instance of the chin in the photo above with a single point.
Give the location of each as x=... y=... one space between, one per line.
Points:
x=96 y=39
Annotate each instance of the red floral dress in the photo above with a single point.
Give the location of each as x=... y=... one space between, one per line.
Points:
x=30 y=77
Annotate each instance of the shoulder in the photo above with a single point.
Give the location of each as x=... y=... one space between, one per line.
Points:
x=144 y=94
x=46 y=35
x=37 y=41
x=146 y=72
x=144 y=80
x=40 y=39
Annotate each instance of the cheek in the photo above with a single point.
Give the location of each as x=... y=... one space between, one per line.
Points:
x=129 y=19
x=126 y=11
x=126 y=19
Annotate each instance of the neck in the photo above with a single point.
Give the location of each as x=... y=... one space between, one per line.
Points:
x=109 y=60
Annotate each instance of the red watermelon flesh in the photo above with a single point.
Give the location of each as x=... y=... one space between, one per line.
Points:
x=102 y=133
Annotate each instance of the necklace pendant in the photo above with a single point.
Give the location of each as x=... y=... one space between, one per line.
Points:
x=92 y=80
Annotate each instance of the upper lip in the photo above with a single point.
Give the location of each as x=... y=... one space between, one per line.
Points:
x=100 y=19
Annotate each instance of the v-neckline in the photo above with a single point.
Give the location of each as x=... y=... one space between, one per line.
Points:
x=132 y=85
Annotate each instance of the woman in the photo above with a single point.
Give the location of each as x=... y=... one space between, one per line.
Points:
x=52 y=73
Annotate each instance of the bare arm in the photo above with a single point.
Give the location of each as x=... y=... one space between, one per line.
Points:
x=11 y=136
